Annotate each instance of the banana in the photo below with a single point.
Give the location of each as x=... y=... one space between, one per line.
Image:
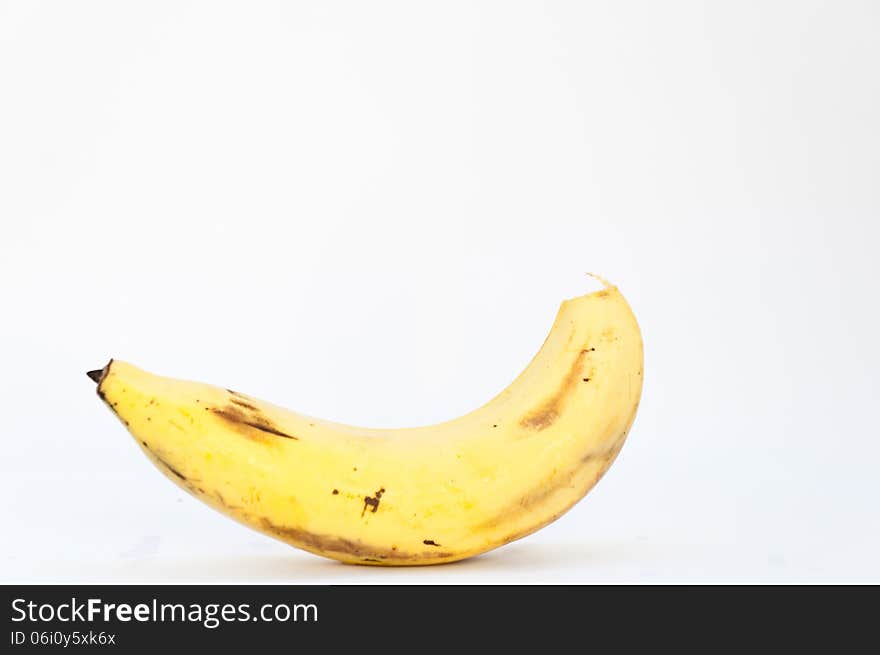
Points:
x=423 y=495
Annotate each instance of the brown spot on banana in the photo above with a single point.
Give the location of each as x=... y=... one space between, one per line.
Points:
x=250 y=423
x=373 y=501
x=545 y=415
x=244 y=404
x=242 y=401
x=346 y=548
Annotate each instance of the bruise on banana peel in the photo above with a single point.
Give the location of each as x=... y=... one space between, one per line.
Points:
x=549 y=411
x=444 y=508
x=241 y=400
x=164 y=463
x=348 y=548
x=547 y=489
x=249 y=423
x=188 y=484
x=247 y=418
x=240 y=412
x=351 y=550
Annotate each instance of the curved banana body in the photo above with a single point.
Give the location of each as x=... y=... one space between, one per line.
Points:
x=423 y=495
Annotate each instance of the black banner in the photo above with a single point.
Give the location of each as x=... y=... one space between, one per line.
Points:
x=149 y=617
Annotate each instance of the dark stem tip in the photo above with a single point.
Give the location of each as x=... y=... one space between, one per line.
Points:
x=98 y=374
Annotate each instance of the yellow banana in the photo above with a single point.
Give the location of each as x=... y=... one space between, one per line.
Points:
x=422 y=495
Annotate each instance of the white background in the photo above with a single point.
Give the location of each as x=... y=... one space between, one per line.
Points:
x=370 y=211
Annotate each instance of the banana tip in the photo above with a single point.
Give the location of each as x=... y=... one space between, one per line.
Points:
x=601 y=280
x=98 y=374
